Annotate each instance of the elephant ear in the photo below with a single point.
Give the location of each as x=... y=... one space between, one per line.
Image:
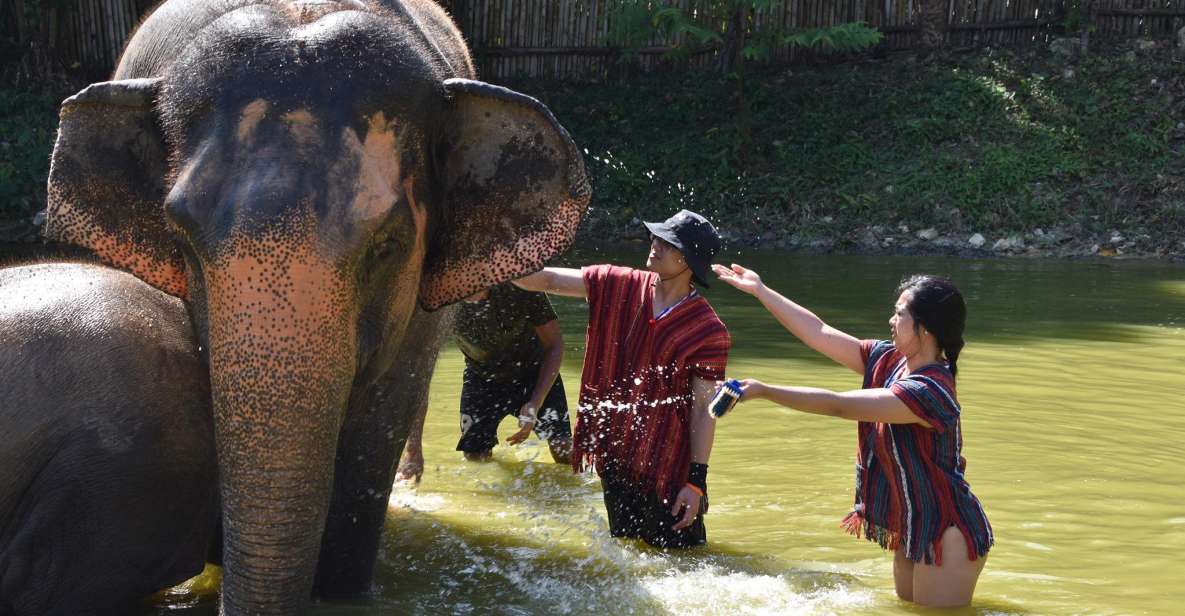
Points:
x=107 y=182
x=514 y=192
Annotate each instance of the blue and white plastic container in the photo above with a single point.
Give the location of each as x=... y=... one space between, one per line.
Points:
x=726 y=397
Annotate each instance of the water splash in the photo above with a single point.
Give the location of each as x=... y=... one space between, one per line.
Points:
x=560 y=559
x=711 y=589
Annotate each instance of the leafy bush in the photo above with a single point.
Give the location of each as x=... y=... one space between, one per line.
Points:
x=729 y=26
x=28 y=126
x=997 y=142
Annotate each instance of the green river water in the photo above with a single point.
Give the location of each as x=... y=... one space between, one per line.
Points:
x=1073 y=418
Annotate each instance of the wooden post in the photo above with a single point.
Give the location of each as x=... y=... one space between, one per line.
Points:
x=932 y=22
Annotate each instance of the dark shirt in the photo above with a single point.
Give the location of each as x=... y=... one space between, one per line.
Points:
x=497 y=334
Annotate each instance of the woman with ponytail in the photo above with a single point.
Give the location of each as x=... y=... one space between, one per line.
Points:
x=911 y=495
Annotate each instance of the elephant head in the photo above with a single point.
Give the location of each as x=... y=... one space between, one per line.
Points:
x=302 y=177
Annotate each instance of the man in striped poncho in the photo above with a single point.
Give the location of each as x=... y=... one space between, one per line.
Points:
x=655 y=350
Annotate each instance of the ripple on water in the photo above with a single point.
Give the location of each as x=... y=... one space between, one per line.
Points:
x=713 y=590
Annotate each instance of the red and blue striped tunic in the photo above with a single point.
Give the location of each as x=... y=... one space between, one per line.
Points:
x=635 y=390
x=910 y=486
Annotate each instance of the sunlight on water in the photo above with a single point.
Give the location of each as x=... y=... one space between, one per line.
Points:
x=1173 y=287
x=404 y=498
x=1073 y=418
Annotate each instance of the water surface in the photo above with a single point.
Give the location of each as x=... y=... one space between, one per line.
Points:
x=1073 y=418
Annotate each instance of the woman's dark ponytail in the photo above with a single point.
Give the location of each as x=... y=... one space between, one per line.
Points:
x=951 y=351
x=937 y=305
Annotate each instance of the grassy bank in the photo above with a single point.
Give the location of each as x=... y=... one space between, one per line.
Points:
x=858 y=156
x=844 y=157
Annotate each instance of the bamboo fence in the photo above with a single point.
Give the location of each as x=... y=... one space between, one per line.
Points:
x=571 y=38
x=1139 y=18
x=82 y=35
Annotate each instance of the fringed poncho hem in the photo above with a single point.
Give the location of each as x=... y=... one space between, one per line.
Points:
x=929 y=552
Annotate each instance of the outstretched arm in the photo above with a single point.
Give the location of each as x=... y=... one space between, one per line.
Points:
x=555 y=281
x=839 y=346
x=876 y=405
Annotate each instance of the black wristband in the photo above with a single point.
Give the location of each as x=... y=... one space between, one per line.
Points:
x=697 y=476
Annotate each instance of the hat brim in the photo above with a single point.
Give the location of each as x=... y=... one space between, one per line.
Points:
x=664 y=232
x=699 y=269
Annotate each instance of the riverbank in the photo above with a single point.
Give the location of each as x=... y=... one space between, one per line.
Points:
x=1057 y=243
x=996 y=152
x=1033 y=153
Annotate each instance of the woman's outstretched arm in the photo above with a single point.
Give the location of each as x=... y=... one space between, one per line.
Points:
x=875 y=405
x=835 y=344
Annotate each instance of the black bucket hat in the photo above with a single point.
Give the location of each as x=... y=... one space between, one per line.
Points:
x=694 y=236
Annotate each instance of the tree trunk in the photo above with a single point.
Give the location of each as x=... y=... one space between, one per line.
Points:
x=732 y=66
x=734 y=39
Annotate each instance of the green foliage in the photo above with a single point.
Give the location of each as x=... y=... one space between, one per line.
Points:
x=633 y=23
x=984 y=143
x=676 y=28
x=970 y=143
x=28 y=126
x=1076 y=16
x=630 y=28
x=847 y=37
x=728 y=28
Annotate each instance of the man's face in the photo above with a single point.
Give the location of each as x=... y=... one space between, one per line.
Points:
x=664 y=259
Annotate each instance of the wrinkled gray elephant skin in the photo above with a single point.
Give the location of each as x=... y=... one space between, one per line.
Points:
x=107 y=471
x=314 y=179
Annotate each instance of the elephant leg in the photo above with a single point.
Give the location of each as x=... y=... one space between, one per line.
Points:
x=372 y=438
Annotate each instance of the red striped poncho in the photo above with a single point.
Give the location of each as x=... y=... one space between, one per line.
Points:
x=910 y=485
x=635 y=391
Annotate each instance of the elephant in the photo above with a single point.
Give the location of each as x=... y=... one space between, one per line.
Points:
x=108 y=477
x=315 y=180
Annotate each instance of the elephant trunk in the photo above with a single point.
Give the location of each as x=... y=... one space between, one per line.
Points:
x=283 y=358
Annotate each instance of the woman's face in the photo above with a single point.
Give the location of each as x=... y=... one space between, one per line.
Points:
x=901 y=326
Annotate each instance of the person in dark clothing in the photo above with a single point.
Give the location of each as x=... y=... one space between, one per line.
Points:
x=513 y=349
